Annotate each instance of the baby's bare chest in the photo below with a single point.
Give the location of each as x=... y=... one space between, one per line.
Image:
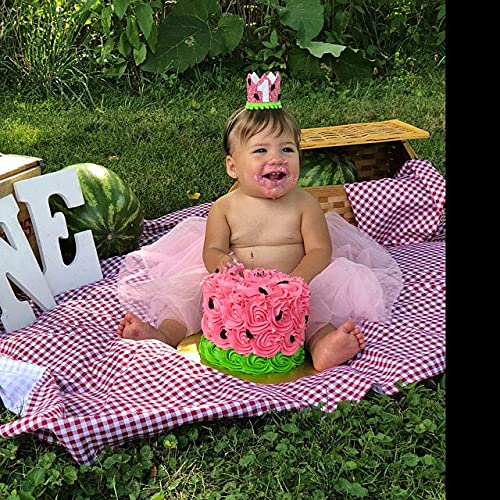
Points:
x=275 y=227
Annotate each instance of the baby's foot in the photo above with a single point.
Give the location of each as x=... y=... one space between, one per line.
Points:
x=331 y=348
x=131 y=327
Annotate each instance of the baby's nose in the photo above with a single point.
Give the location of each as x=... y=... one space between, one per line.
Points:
x=277 y=160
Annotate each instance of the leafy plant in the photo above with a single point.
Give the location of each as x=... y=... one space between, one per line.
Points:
x=394 y=34
x=303 y=21
x=45 y=44
x=62 y=46
x=269 y=58
x=440 y=29
x=350 y=39
x=192 y=31
x=128 y=29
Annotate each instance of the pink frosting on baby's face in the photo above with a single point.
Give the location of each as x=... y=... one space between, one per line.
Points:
x=276 y=179
x=266 y=164
x=259 y=311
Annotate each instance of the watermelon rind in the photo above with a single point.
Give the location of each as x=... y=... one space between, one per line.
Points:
x=111 y=211
x=326 y=167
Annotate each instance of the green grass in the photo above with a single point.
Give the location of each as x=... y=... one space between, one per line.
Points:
x=166 y=143
x=381 y=447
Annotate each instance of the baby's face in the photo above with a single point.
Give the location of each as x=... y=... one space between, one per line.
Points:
x=266 y=165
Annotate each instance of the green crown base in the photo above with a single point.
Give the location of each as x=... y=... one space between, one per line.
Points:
x=263 y=105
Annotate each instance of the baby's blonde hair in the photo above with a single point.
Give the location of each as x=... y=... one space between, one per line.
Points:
x=245 y=123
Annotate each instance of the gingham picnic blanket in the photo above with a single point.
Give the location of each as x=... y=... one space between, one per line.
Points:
x=72 y=381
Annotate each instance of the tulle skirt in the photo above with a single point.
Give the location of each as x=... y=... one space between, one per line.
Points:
x=162 y=280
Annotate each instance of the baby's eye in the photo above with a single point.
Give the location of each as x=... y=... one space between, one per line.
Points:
x=260 y=150
x=288 y=149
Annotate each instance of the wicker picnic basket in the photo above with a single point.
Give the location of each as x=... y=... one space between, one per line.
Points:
x=378 y=150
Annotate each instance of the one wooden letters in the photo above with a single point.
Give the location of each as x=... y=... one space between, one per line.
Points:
x=17 y=261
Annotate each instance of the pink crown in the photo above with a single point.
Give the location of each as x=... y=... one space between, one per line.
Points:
x=263 y=92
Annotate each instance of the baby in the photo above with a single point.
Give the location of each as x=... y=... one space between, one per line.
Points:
x=265 y=222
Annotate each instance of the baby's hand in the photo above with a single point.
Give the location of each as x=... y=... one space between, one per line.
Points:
x=227 y=262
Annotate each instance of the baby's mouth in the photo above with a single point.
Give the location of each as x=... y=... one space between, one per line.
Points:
x=274 y=176
x=274 y=173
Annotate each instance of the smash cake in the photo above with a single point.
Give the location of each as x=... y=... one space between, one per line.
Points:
x=254 y=320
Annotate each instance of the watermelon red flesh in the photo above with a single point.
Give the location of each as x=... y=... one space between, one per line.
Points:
x=111 y=210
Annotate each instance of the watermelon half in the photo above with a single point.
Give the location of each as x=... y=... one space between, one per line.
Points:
x=111 y=210
x=326 y=167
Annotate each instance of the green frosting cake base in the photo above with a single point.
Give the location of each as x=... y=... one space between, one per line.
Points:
x=252 y=364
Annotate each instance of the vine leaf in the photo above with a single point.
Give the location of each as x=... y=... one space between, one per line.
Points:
x=144 y=14
x=153 y=38
x=140 y=54
x=182 y=42
x=319 y=49
x=124 y=46
x=132 y=32
x=304 y=16
x=301 y=63
x=227 y=36
x=186 y=36
x=120 y=7
x=352 y=66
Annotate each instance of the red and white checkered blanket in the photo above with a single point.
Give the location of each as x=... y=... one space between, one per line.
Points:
x=92 y=389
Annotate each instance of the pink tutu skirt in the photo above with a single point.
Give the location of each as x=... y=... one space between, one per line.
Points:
x=162 y=280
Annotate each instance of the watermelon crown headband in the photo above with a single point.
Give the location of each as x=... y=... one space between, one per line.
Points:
x=263 y=92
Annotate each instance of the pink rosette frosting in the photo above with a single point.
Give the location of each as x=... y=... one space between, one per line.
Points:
x=257 y=311
x=241 y=342
x=255 y=316
x=214 y=330
x=291 y=330
x=230 y=311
